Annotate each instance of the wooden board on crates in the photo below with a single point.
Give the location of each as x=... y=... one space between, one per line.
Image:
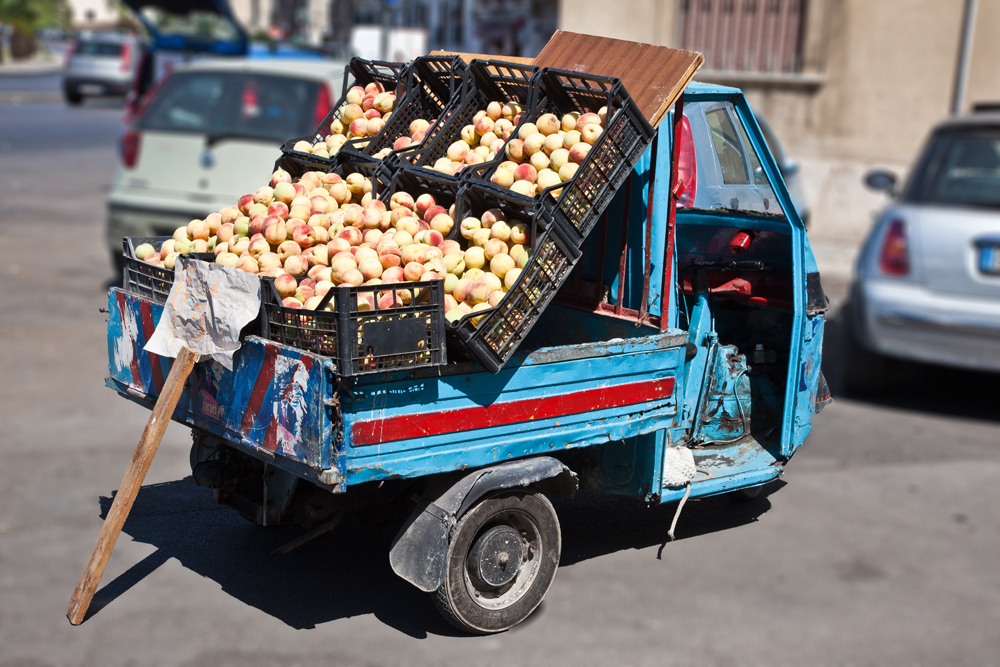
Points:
x=654 y=76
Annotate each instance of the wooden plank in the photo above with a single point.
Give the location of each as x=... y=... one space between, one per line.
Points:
x=654 y=76
x=469 y=57
x=130 y=485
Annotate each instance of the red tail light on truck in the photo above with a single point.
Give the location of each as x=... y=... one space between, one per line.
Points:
x=687 y=167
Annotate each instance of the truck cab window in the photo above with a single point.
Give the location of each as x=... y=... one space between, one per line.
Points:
x=728 y=147
x=730 y=176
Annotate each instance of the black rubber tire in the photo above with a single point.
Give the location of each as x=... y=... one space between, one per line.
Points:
x=72 y=97
x=746 y=495
x=454 y=600
x=864 y=371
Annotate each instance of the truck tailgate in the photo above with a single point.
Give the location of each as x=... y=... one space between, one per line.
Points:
x=276 y=402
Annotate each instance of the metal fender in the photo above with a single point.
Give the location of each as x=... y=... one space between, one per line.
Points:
x=420 y=548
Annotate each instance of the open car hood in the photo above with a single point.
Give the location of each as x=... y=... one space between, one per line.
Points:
x=204 y=26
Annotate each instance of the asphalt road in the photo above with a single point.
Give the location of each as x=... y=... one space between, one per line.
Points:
x=880 y=545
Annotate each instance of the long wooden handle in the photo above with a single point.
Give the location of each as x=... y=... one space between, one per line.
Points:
x=131 y=483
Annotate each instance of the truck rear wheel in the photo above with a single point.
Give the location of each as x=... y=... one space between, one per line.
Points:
x=501 y=561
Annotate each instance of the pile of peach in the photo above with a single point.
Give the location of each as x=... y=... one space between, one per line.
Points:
x=363 y=114
x=324 y=231
x=482 y=140
x=548 y=152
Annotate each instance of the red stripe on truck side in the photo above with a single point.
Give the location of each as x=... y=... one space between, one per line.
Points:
x=260 y=386
x=146 y=311
x=405 y=427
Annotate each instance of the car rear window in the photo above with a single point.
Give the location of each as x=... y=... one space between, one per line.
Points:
x=254 y=106
x=960 y=168
x=107 y=49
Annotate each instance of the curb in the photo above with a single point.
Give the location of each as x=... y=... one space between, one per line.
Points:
x=17 y=99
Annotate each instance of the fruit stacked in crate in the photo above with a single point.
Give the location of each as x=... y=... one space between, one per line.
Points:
x=483 y=139
x=548 y=152
x=493 y=93
x=363 y=114
x=578 y=140
x=381 y=115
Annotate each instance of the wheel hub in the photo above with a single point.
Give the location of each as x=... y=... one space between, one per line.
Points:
x=496 y=557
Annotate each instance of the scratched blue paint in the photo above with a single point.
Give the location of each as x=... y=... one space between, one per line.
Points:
x=808 y=377
x=291 y=416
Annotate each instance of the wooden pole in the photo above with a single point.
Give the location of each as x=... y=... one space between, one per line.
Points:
x=130 y=485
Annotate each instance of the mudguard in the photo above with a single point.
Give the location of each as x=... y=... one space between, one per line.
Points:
x=420 y=548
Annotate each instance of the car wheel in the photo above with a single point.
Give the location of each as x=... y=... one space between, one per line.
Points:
x=864 y=371
x=72 y=96
x=501 y=561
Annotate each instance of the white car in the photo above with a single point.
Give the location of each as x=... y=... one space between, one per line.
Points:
x=927 y=280
x=209 y=133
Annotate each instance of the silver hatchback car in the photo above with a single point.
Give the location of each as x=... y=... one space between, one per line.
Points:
x=99 y=63
x=927 y=279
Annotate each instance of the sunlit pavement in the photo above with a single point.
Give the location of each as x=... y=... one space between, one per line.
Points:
x=879 y=546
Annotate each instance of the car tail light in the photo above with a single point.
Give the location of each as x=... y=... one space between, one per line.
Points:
x=687 y=167
x=323 y=103
x=69 y=53
x=131 y=140
x=251 y=106
x=126 y=58
x=895 y=257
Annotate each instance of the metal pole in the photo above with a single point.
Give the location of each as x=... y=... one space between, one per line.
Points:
x=964 y=55
x=386 y=25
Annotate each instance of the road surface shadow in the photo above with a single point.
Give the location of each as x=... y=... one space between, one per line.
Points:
x=346 y=572
x=911 y=385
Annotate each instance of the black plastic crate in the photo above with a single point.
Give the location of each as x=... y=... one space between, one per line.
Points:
x=485 y=81
x=363 y=342
x=626 y=136
x=431 y=92
x=502 y=329
x=416 y=182
x=363 y=72
x=146 y=280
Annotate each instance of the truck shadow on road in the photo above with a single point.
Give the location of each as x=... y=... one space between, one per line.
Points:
x=346 y=572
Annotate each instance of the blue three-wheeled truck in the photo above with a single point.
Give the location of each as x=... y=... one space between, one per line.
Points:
x=680 y=358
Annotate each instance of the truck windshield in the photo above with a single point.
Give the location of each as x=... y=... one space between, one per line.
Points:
x=729 y=172
x=236 y=104
x=959 y=168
